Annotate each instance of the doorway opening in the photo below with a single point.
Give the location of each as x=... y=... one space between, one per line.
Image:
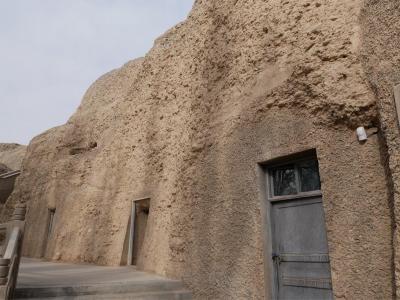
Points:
x=298 y=255
x=49 y=228
x=137 y=230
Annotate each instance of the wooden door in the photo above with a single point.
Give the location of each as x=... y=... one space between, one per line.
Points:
x=300 y=251
x=299 y=243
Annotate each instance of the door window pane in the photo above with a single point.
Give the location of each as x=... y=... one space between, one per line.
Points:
x=309 y=176
x=284 y=181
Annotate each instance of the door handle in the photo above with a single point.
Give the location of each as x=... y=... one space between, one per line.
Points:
x=276 y=258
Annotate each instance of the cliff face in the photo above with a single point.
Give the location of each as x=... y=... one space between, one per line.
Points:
x=238 y=83
x=4 y=169
x=12 y=155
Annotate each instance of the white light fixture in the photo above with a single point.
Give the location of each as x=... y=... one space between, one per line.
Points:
x=361 y=134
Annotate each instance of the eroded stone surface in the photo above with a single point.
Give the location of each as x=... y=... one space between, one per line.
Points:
x=237 y=84
x=12 y=155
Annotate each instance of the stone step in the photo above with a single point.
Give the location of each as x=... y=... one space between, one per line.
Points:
x=39 y=279
x=146 y=290
x=173 y=295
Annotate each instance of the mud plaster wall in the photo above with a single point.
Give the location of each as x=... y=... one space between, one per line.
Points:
x=238 y=83
x=381 y=59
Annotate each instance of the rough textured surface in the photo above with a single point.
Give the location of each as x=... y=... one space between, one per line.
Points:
x=381 y=58
x=12 y=155
x=237 y=84
x=4 y=169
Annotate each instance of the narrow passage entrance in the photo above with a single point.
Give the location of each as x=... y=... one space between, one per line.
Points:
x=137 y=232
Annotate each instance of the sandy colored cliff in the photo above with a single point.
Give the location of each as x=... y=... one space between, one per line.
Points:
x=237 y=84
x=4 y=169
x=12 y=155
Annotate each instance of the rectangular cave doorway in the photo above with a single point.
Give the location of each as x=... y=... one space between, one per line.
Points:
x=137 y=229
x=49 y=229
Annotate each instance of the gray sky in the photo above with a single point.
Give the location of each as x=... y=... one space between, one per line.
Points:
x=52 y=50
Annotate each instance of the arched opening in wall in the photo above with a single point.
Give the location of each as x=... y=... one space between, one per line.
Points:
x=137 y=229
x=296 y=247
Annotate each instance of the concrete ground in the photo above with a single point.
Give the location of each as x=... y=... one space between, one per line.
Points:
x=41 y=279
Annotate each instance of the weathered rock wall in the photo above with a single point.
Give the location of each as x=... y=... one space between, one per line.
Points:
x=237 y=84
x=12 y=155
x=381 y=58
x=4 y=168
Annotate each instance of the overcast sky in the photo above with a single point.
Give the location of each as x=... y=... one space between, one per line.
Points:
x=52 y=50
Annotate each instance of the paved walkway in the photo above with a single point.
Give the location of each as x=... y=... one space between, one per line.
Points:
x=39 y=279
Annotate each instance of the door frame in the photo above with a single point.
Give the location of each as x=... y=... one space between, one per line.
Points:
x=267 y=199
x=50 y=220
x=129 y=261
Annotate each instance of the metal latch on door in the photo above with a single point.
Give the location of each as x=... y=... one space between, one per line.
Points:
x=276 y=258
